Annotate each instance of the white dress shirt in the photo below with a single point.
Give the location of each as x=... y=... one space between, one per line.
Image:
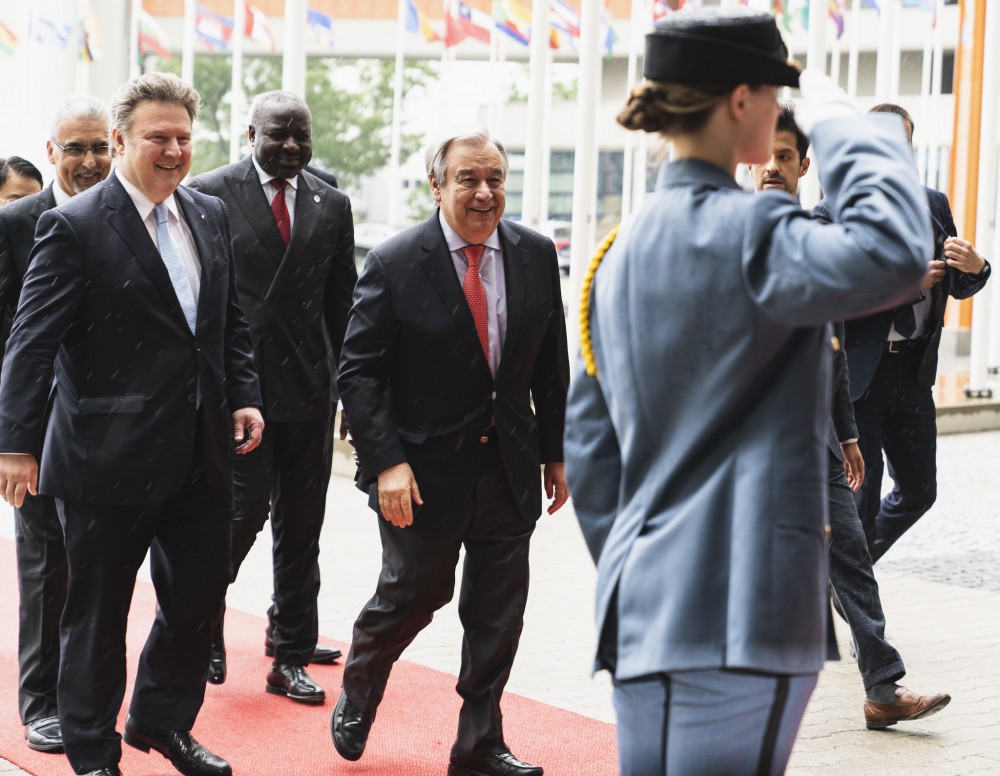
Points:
x=270 y=191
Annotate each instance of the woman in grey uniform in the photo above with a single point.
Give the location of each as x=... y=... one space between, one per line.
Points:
x=696 y=426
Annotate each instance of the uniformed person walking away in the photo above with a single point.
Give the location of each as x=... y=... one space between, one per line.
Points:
x=698 y=417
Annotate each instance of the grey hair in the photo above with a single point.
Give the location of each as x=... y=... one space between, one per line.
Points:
x=154 y=87
x=436 y=156
x=269 y=99
x=79 y=108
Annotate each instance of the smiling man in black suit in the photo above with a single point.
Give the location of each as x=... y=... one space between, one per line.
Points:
x=130 y=301
x=293 y=239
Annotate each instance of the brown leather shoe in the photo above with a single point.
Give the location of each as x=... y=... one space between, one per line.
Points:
x=907 y=708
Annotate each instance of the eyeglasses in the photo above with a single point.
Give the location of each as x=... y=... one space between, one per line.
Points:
x=78 y=151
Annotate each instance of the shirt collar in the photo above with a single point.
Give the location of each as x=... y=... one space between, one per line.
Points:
x=456 y=242
x=61 y=197
x=143 y=203
x=266 y=177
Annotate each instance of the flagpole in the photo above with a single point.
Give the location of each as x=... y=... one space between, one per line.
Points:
x=852 y=56
x=896 y=50
x=395 y=142
x=809 y=188
x=82 y=67
x=933 y=160
x=883 y=63
x=585 y=156
x=293 y=71
x=923 y=150
x=538 y=98
x=133 y=46
x=988 y=203
x=187 y=42
x=236 y=106
x=635 y=40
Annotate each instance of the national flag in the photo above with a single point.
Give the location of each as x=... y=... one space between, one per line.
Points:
x=781 y=9
x=468 y=23
x=212 y=29
x=90 y=35
x=871 y=4
x=152 y=38
x=927 y=5
x=416 y=21
x=609 y=37
x=8 y=40
x=319 y=27
x=47 y=31
x=513 y=20
x=256 y=27
x=563 y=18
x=835 y=14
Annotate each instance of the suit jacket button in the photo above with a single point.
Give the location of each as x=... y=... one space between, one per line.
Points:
x=484 y=439
x=192 y=398
x=493 y=396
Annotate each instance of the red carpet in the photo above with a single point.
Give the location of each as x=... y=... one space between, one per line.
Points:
x=267 y=735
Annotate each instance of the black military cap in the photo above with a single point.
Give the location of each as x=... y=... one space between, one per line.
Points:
x=712 y=46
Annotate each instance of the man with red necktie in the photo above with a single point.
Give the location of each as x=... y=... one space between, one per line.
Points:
x=293 y=239
x=454 y=376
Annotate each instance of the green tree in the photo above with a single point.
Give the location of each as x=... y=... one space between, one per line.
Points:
x=352 y=123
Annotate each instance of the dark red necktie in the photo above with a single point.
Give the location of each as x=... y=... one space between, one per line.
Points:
x=475 y=295
x=280 y=210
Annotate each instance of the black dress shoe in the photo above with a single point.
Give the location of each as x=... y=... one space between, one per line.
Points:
x=502 y=764
x=111 y=770
x=293 y=681
x=217 y=657
x=185 y=754
x=321 y=656
x=44 y=735
x=350 y=727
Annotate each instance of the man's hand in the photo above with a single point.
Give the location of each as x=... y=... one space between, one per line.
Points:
x=345 y=427
x=854 y=465
x=963 y=256
x=397 y=493
x=935 y=274
x=248 y=422
x=18 y=476
x=555 y=485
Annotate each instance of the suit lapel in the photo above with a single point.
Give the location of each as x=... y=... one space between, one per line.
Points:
x=195 y=218
x=437 y=263
x=124 y=219
x=249 y=193
x=44 y=201
x=515 y=267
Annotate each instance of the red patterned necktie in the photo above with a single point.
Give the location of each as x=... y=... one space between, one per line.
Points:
x=280 y=210
x=475 y=295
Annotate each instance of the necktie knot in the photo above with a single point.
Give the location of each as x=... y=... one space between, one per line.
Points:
x=279 y=183
x=161 y=214
x=473 y=253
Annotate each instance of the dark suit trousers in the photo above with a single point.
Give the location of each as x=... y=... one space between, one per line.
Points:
x=854 y=583
x=188 y=543
x=896 y=415
x=418 y=578
x=286 y=476
x=41 y=578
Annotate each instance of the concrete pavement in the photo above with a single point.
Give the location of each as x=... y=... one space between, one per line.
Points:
x=940 y=588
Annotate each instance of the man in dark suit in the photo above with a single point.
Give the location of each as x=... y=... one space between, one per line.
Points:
x=851 y=575
x=80 y=152
x=293 y=239
x=892 y=358
x=130 y=304
x=457 y=330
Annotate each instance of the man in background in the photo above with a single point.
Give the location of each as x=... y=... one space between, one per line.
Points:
x=79 y=150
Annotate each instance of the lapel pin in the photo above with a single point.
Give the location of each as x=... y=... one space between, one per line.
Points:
x=201 y=216
x=316 y=197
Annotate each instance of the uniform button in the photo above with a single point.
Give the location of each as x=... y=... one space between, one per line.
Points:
x=493 y=396
x=192 y=398
x=484 y=439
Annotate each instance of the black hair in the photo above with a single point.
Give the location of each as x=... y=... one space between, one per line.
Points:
x=20 y=167
x=786 y=123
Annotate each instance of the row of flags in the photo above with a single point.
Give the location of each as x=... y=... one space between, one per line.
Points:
x=510 y=17
x=48 y=30
x=787 y=11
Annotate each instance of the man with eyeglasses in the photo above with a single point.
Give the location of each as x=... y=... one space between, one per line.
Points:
x=81 y=155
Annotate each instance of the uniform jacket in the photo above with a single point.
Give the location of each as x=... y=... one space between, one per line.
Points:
x=416 y=384
x=17 y=236
x=98 y=308
x=698 y=458
x=296 y=299
x=866 y=337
